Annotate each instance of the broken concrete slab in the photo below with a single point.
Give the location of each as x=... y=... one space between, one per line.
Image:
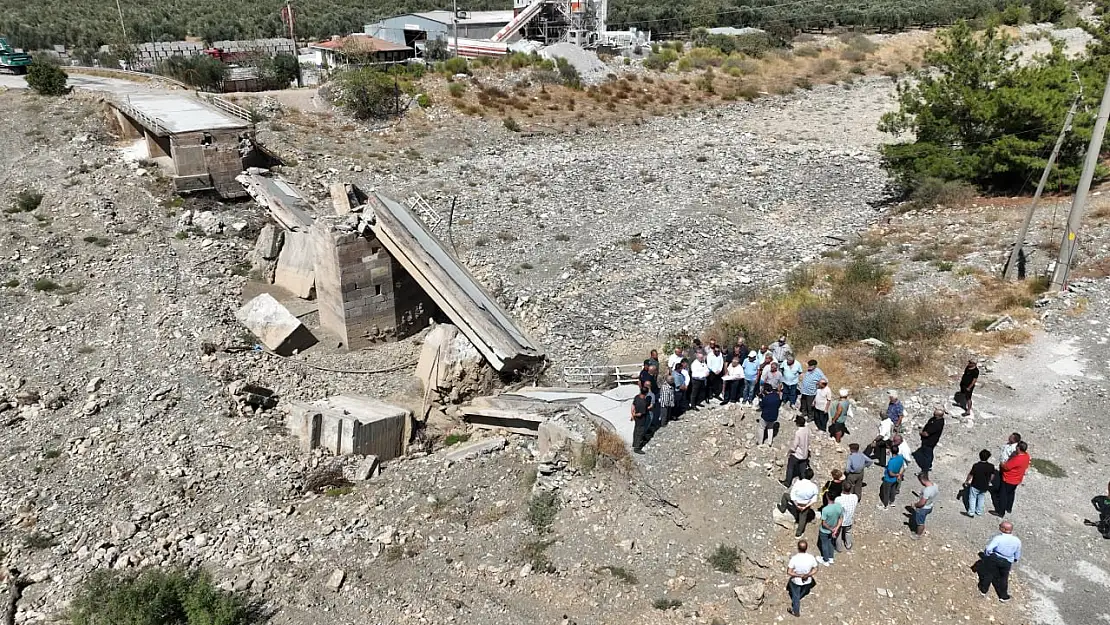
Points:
x=275 y=326
x=296 y=265
x=613 y=413
x=351 y=424
x=340 y=198
x=368 y=468
x=447 y=359
x=466 y=451
x=270 y=240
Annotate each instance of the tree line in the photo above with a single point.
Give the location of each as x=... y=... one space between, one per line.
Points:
x=88 y=25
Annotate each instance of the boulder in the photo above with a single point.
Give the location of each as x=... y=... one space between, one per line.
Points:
x=750 y=595
x=448 y=360
x=275 y=326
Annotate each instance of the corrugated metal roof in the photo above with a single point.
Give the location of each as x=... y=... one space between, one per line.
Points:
x=361 y=43
x=475 y=17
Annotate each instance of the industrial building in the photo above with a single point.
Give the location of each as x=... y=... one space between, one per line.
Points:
x=414 y=29
x=580 y=22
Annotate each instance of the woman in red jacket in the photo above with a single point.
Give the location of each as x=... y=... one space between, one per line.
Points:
x=1013 y=472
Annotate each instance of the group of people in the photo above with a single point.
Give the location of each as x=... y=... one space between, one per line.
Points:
x=770 y=377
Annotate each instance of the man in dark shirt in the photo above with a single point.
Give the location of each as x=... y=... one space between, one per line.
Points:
x=978 y=482
x=649 y=376
x=641 y=416
x=930 y=436
x=653 y=359
x=967 y=384
x=1102 y=505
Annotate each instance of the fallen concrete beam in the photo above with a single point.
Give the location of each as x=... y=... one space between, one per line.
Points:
x=296 y=265
x=284 y=202
x=513 y=421
x=454 y=290
x=275 y=326
x=473 y=450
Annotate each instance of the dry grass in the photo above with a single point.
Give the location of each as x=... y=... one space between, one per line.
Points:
x=1097 y=268
x=610 y=445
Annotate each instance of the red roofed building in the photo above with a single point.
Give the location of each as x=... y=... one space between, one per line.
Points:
x=359 y=49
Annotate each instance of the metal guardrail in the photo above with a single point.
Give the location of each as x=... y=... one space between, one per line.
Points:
x=599 y=376
x=227 y=107
x=124 y=106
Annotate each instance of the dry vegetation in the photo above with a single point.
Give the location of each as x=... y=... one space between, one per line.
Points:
x=702 y=77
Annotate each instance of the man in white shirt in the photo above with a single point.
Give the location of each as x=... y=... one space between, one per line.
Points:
x=797 y=457
x=848 y=500
x=901 y=447
x=674 y=358
x=699 y=374
x=801 y=568
x=800 y=501
x=716 y=362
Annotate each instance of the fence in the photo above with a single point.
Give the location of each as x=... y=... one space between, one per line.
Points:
x=601 y=376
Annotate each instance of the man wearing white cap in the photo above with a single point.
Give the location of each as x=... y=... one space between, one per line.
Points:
x=751 y=373
x=895 y=411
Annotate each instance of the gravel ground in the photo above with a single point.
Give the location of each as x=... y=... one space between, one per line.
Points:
x=124 y=450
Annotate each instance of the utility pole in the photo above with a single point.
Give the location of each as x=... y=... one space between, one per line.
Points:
x=1011 y=265
x=455 y=22
x=122 y=26
x=1079 y=205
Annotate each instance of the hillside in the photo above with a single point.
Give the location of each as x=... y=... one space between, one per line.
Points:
x=37 y=25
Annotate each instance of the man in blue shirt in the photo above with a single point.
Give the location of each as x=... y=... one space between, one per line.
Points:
x=996 y=561
x=751 y=372
x=791 y=375
x=810 y=378
x=892 y=479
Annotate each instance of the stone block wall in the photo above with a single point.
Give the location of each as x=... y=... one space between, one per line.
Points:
x=365 y=296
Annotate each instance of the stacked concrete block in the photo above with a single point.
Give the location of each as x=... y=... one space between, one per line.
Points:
x=351 y=424
x=365 y=296
x=211 y=157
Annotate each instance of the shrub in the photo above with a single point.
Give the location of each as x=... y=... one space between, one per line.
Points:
x=455 y=439
x=424 y=101
x=860 y=43
x=158 y=596
x=27 y=201
x=827 y=66
x=725 y=559
x=368 y=93
x=542 y=508
x=887 y=358
x=47 y=79
x=620 y=573
x=853 y=56
x=665 y=603
x=454 y=66
x=929 y=192
x=45 y=285
x=535 y=553
x=568 y=74
x=456 y=89
x=1048 y=468
x=656 y=62
x=807 y=51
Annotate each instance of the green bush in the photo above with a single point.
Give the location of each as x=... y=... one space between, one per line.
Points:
x=656 y=62
x=511 y=124
x=725 y=559
x=888 y=358
x=568 y=74
x=456 y=89
x=158 y=597
x=424 y=101
x=27 y=201
x=453 y=66
x=929 y=192
x=47 y=79
x=368 y=93
x=542 y=508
